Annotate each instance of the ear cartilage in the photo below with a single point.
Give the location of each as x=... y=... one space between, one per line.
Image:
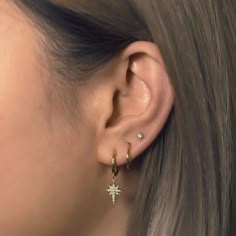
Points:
x=140 y=136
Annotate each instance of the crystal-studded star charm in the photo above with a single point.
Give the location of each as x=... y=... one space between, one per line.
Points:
x=113 y=191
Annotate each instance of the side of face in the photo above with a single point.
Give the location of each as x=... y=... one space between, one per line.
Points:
x=53 y=174
x=42 y=171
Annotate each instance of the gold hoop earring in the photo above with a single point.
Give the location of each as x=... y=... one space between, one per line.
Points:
x=114 y=189
x=128 y=162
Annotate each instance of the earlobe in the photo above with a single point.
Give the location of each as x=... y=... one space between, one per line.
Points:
x=144 y=107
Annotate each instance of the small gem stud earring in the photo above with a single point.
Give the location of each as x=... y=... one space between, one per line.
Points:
x=140 y=136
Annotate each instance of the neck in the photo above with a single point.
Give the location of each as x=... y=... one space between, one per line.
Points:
x=114 y=222
x=106 y=219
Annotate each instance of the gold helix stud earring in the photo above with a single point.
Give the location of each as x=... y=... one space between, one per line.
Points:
x=114 y=189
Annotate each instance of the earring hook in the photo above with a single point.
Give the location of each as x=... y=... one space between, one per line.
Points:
x=128 y=156
x=115 y=169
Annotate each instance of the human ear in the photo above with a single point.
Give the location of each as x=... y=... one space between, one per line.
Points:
x=138 y=97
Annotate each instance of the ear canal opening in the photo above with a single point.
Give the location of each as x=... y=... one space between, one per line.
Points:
x=115 y=114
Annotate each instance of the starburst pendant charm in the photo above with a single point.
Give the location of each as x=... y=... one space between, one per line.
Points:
x=113 y=191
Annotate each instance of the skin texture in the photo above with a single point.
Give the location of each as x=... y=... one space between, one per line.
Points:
x=53 y=176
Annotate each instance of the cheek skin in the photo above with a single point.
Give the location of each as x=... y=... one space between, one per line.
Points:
x=42 y=166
